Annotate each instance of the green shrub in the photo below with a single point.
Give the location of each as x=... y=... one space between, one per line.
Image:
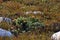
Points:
x=31 y=22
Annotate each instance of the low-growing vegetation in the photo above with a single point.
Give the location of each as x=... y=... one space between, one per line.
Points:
x=40 y=26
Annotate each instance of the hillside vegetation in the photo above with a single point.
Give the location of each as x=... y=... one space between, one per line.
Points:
x=50 y=18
